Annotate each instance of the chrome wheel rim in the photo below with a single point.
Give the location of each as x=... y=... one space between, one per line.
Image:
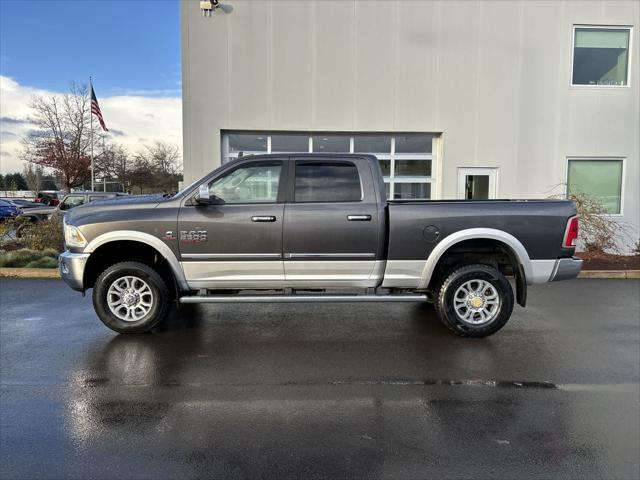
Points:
x=130 y=298
x=476 y=302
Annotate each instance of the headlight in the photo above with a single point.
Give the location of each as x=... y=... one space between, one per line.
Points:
x=73 y=236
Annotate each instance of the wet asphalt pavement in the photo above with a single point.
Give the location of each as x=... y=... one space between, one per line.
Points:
x=344 y=390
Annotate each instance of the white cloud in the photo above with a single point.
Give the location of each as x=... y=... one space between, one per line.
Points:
x=133 y=119
x=163 y=92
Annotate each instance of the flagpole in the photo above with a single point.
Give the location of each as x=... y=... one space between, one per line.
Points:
x=104 y=176
x=91 y=133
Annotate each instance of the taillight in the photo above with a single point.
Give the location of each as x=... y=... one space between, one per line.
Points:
x=571 y=233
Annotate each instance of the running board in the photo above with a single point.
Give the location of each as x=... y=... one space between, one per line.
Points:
x=300 y=298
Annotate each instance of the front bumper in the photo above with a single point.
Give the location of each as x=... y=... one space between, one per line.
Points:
x=566 y=269
x=72 y=269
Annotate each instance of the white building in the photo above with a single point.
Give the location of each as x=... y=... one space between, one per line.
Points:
x=459 y=99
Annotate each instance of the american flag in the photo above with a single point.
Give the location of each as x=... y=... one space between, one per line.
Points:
x=95 y=109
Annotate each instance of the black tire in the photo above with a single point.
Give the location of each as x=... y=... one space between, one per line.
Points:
x=159 y=298
x=445 y=308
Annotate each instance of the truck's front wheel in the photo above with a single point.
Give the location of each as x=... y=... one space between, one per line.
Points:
x=130 y=297
x=474 y=301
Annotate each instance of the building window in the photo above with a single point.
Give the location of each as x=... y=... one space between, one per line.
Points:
x=289 y=143
x=599 y=178
x=246 y=144
x=601 y=55
x=406 y=160
x=331 y=143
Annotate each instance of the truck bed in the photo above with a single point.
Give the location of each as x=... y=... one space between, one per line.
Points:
x=416 y=227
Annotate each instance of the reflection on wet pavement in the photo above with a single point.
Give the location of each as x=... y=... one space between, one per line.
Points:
x=321 y=391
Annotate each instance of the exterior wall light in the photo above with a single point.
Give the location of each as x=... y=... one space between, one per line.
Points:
x=208 y=6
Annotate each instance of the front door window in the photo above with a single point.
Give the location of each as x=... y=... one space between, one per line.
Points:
x=250 y=184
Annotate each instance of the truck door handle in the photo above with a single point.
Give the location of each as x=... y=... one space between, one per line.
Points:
x=263 y=218
x=359 y=218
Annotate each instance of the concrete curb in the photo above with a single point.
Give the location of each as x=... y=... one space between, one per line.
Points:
x=54 y=273
x=623 y=274
x=6 y=272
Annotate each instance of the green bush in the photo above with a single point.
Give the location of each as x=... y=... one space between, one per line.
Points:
x=46 y=234
x=599 y=231
x=44 y=262
x=22 y=233
x=26 y=257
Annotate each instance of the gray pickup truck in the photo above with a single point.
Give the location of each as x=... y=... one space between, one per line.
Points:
x=314 y=228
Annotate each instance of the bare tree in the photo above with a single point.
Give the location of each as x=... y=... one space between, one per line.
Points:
x=61 y=139
x=164 y=157
x=111 y=161
x=141 y=175
x=33 y=176
x=157 y=168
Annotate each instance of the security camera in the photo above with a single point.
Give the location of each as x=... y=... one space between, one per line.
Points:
x=207 y=6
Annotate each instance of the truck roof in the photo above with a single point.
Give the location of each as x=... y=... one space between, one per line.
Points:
x=284 y=155
x=88 y=192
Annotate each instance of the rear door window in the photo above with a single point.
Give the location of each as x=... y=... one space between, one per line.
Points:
x=327 y=182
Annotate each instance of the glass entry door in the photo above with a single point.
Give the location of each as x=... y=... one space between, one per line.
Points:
x=477 y=183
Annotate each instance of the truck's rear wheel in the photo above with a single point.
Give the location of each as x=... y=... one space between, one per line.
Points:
x=130 y=297
x=474 y=301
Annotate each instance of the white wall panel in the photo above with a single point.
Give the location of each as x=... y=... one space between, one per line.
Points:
x=416 y=66
x=375 y=64
x=492 y=76
x=290 y=55
x=333 y=78
x=249 y=64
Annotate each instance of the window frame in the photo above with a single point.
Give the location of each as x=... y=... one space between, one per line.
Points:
x=596 y=158
x=579 y=86
x=294 y=163
x=249 y=163
x=435 y=155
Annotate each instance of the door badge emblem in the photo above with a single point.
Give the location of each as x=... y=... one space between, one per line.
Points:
x=193 y=236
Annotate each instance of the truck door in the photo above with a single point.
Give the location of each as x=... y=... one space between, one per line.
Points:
x=331 y=225
x=238 y=243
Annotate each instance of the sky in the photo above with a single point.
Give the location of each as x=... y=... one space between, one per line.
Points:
x=131 y=48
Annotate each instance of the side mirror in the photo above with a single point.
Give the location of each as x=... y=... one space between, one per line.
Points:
x=216 y=200
x=202 y=197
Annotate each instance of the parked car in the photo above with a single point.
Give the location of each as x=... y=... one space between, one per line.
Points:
x=49 y=197
x=8 y=210
x=68 y=202
x=304 y=225
x=22 y=203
